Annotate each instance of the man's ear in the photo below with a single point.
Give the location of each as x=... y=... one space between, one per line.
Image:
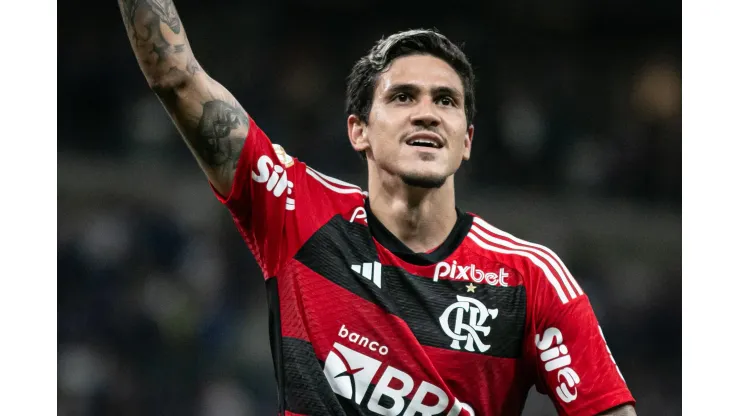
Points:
x=357 y=132
x=468 y=143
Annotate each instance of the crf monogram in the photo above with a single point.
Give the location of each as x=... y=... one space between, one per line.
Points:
x=477 y=314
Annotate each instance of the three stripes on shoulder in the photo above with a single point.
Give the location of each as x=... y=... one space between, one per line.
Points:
x=492 y=239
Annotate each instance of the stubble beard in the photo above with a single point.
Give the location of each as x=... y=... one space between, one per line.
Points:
x=424 y=181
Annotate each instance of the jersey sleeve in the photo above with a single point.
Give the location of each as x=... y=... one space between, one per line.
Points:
x=274 y=204
x=574 y=366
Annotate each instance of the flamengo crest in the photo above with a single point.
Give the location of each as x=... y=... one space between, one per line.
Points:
x=469 y=317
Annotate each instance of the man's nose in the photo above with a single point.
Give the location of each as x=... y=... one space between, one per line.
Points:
x=425 y=114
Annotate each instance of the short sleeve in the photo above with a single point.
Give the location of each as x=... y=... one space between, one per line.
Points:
x=262 y=197
x=277 y=201
x=574 y=366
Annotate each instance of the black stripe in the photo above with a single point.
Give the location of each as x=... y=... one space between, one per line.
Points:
x=419 y=301
x=276 y=345
x=332 y=251
x=307 y=391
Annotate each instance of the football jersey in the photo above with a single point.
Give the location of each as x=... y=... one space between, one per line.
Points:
x=361 y=325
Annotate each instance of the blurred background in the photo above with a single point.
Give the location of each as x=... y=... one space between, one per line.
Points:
x=161 y=308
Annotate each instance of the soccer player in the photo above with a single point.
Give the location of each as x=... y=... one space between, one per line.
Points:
x=391 y=301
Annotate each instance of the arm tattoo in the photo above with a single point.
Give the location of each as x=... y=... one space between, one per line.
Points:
x=143 y=19
x=165 y=10
x=210 y=120
x=192 y=67
x=624 y=410
x=215 y=126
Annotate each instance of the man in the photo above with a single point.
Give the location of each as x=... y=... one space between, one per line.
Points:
x=391 y=301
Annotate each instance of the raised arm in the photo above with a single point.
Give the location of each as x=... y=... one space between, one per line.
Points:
x=624 y=410
x=208 y=117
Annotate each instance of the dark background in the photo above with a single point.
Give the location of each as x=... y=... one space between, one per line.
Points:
x=578 y=146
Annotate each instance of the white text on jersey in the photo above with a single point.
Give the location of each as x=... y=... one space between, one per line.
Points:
x=276 y=178
x=362 y=341
x=555 y=356
x=470 y=273
x=359 y=214
x=350 y=374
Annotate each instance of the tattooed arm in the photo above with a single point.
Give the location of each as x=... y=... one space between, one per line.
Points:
x=624 y=410
x=209 y=118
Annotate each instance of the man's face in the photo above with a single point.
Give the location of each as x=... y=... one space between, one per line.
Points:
x=417 y=127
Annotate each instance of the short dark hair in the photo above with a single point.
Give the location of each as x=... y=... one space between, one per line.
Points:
x=362 y=80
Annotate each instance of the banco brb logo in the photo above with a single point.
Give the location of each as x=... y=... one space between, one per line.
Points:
x=469 y=316
x=350 y=374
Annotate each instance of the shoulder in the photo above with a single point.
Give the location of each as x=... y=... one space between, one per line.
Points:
x=336 y=186
x=502 y=243
x=328 y=193
x=537 y=263
x=310 y=177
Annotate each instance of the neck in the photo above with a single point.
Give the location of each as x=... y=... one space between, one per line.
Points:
x=420 y=218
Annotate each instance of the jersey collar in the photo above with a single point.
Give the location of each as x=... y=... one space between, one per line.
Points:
x=398 y=248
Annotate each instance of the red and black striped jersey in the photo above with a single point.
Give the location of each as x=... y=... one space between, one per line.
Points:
x=360 y=325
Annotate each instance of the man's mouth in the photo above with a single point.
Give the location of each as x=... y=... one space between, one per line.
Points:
x=429 y=140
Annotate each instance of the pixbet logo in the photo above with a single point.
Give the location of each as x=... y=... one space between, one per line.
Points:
x=556 y=357
x=477 y=315
x=276 y=178
x=470 y=273
x=350 y=373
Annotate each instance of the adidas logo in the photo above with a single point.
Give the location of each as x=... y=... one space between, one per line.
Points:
x=370 y=271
